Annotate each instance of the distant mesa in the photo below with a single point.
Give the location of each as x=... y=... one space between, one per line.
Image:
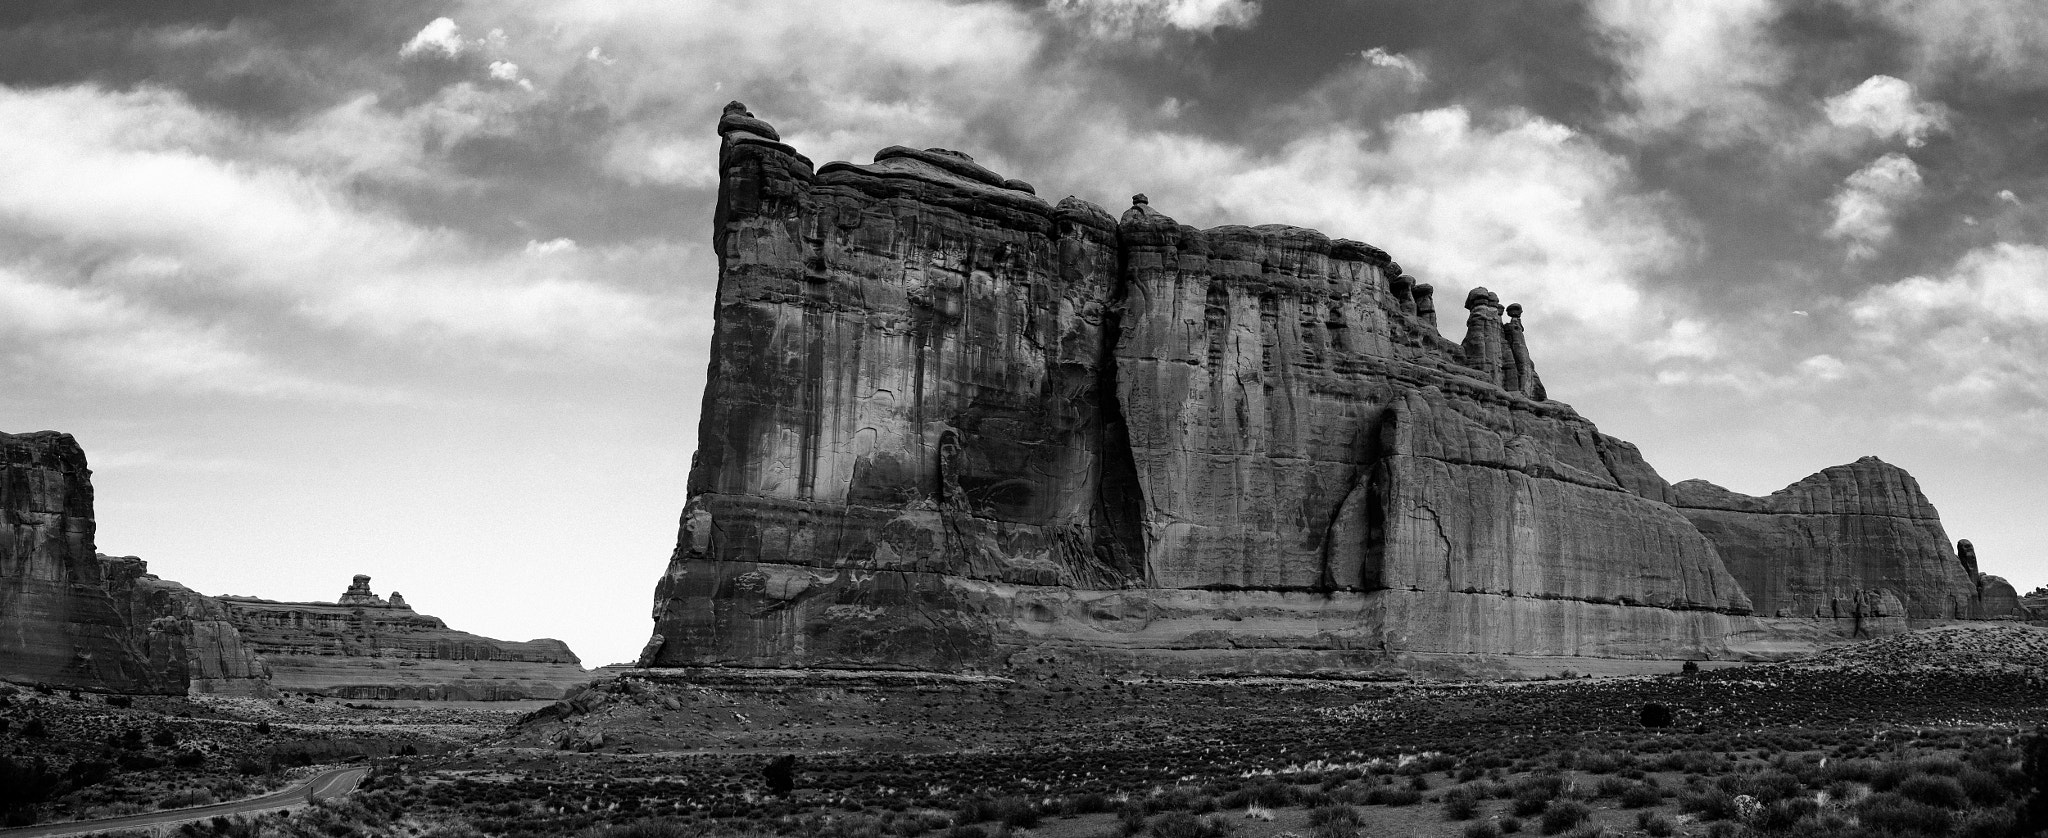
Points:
x=70 y=616
x=948 y=422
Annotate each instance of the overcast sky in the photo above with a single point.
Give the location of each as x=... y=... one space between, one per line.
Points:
x=421 y=289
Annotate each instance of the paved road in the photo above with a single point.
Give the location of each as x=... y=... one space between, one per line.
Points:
x=333 y=782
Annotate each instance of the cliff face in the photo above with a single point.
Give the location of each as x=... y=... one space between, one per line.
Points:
x=192 y=642
x=1840 y=544
x=371 y=648
x=947 y=420
x=58 y=624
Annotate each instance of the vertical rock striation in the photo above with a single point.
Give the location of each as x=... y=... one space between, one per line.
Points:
x=58 y=624
x=947 y=421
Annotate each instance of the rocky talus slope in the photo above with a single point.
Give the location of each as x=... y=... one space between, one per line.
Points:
x=70 y=616
x=948 y=420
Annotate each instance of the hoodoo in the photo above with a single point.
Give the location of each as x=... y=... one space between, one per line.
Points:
x=948 y=420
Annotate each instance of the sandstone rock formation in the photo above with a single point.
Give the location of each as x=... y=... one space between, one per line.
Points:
x=193 y=644
x=947 y=420
x=72 y=617
x=1809 y=549
x=58 y=624
x=365 y=647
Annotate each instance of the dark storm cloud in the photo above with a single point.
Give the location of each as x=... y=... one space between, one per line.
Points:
x=256 y=59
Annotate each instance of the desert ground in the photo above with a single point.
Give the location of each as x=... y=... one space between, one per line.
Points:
x=1930 y=733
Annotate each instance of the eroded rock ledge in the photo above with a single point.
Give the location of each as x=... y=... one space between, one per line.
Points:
x=948 y=420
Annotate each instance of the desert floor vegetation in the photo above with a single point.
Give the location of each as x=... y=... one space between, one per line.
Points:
x=1837 y=750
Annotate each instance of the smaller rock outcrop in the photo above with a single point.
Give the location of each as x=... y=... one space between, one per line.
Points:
x=1518 y=372
x=193 y=645
x=1485 y=340
x=358 y=594
x=1842 y=544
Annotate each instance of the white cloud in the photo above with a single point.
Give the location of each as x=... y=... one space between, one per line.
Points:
x=1869 y=199
x=441 y=35
x=550 y=247
x=1380 y=57
x=1961 y=352
x=1887 y=107
x=1698 y=67
x=2007 y=196
x=1125 y=20
x=208 y=254
x=504 y=71
x=1824 y=367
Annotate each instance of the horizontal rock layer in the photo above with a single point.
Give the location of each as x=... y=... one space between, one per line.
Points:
x=382 y=651
x=947 y=419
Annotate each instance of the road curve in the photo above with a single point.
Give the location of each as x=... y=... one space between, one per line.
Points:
x=333 y=782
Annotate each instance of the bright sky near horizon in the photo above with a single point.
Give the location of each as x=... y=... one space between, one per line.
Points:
x=421 y=289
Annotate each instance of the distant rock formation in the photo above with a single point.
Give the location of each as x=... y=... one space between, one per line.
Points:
x=358 y=593
x=364 y=647
x=1807 y=550
x=948 y=420
x=70 y=616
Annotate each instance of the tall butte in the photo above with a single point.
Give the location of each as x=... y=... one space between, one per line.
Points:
x=948 y=421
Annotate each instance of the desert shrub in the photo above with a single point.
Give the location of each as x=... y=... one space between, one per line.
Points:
x=1611 y=787
x=1933 y=790
x=1482 y=829
x=1392 y=797
x=1772 y=786
x=1534 y=794
x=1322 y=815
x=1419 y=782
x=34 y=728
x=121 y=701
x=1563 y=815
x=1088 y=803
x=1187 y=825
x=1600 y=763
x=1654 y=825
x=263 y=728
x=189 y=759
x=1461 y=804
x=1890 y=812
x=1710 y=805
x=1985 y=788
x=1987 y=823
x=163 y=738
x=1131 y=818
x=1510 y=825
x=1641 y=796
x=2033 y=816
x=1783 y=814
x=1269 y=793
